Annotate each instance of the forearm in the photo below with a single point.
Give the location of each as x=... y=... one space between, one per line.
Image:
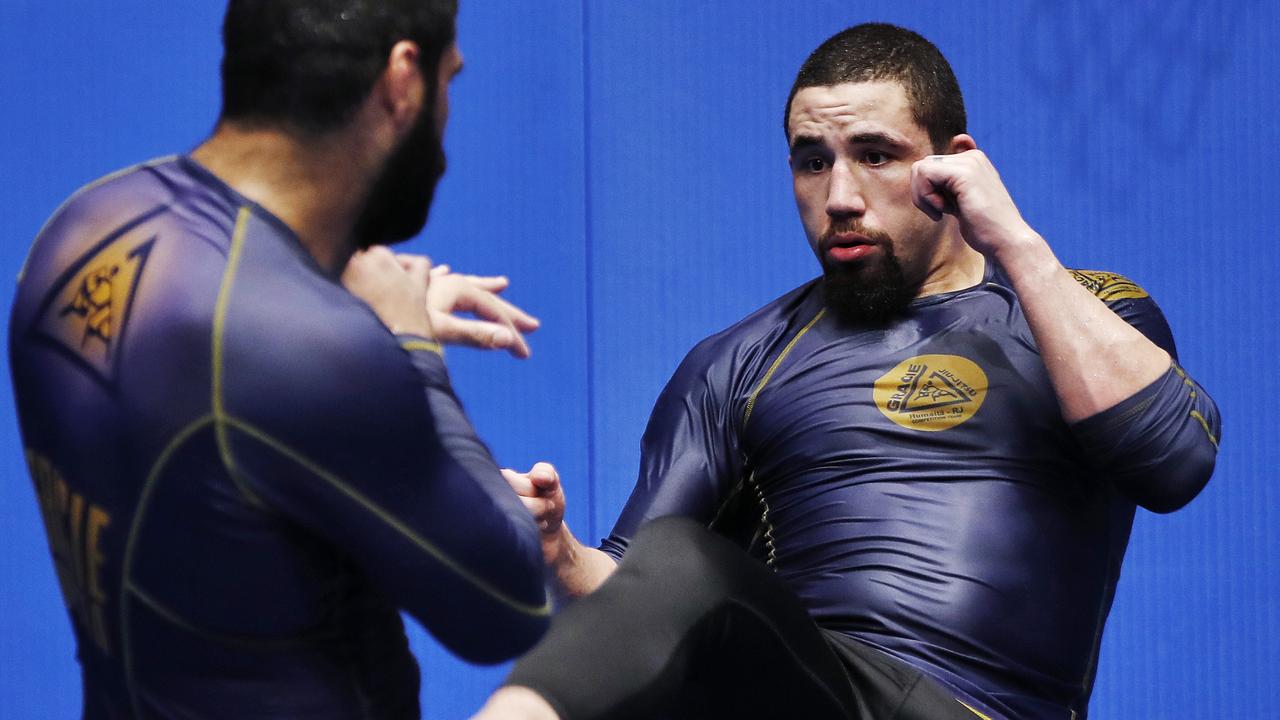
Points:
x=577 y=569
x=1094 y=358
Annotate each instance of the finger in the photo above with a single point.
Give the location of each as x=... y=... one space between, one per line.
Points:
x=546 y=486
x=378 y=252
x=478 y=334
x=497 y=328
x=417 y=266
x=538 y=506
x=438 y=270
x=491 y=307
x=378 y=257
x=491 y=283
x=924 y=193
x=518 y=482
x=522 y=320
x=544 y=476
x=930 y=203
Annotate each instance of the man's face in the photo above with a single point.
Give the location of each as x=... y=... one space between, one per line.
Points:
x=401 y=196
x=852 y=147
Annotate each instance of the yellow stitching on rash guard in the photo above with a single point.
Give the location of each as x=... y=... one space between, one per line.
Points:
x=219 y=328
x=427 y=345
x=1195 y=414
x=391 y=520
x=973 y=710
x=751 y=401
x=144 y=500
x=96 y=183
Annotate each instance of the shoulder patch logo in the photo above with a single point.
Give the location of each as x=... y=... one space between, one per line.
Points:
x=931 y=392
x=85 y=313
x=1108 y=286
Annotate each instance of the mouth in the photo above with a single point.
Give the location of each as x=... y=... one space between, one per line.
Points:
x=846 y=247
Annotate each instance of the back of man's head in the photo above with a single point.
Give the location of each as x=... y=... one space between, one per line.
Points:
x=880 y=52
x=306 y=65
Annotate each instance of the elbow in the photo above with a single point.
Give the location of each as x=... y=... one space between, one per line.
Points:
x=500 y=641
x=1173 y=484
x=518 y=616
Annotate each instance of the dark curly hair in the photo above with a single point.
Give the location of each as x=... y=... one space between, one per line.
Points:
x=878 y=51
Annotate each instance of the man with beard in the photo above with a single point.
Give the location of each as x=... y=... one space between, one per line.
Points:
x=233 y=403
x=933 y=452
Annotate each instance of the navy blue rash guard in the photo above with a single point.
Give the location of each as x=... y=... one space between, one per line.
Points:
x=917 y=486
x=243 y=474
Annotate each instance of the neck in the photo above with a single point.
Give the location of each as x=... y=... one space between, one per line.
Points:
x=316 y=187
x=955 y=267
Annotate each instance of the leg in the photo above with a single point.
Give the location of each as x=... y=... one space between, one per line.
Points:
x=688 y=622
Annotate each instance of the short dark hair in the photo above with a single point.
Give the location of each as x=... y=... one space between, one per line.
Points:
x=879 y=51
x=306 y=65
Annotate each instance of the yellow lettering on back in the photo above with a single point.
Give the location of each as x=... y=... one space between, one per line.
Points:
x=74 y=527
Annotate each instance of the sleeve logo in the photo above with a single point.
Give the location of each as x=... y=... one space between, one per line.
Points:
x=85 y=313
x=1109 y=286
x=931 y=392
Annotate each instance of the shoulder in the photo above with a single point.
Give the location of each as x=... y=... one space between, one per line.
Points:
x=1131 y=302
x=781 y=317
x=736 y=355
x=1109 y=286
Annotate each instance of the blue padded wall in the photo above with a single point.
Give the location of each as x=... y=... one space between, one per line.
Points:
x=623 y=162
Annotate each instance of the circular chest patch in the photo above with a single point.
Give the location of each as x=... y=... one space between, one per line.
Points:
x=931 y=392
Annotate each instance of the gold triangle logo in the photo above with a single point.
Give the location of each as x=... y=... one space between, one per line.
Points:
x=87 y=310
x=935 y=392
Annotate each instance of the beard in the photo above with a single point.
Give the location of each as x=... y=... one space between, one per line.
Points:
x=870 y=293
x=400 y=198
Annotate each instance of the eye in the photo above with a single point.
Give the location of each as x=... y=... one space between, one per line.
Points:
x=815 y=164
x=874 y=157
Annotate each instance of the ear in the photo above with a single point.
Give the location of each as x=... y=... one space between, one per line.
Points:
x=402 y=87
x=961 y=143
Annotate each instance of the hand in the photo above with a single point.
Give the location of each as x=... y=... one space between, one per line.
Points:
x=541 y=493
x=967 y=186
x=500 y=325
x=394 y=288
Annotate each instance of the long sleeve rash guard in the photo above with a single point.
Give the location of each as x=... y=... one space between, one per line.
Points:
x=243 y=474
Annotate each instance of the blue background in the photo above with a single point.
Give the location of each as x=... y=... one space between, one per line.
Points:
x=624 y=163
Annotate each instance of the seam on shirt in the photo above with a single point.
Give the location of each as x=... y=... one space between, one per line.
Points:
x=389 y=519
x=751 y=400
x=1099 y=624
x=173 y=617
x=973 y=710
x=126 y=563
x=1195 y=414
x=724 y=504
x=96 y=183
x=427 y=345
x=219 y=330
x=771 y=552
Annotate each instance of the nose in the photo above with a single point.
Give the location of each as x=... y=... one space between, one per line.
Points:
x=844 y=195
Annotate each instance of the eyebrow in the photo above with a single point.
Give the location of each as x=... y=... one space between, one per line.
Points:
x=800 y=142
x=878 y=138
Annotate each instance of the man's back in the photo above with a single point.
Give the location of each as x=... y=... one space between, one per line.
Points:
x=242 y=472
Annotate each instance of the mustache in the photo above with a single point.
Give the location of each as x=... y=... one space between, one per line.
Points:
x=855 y=227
